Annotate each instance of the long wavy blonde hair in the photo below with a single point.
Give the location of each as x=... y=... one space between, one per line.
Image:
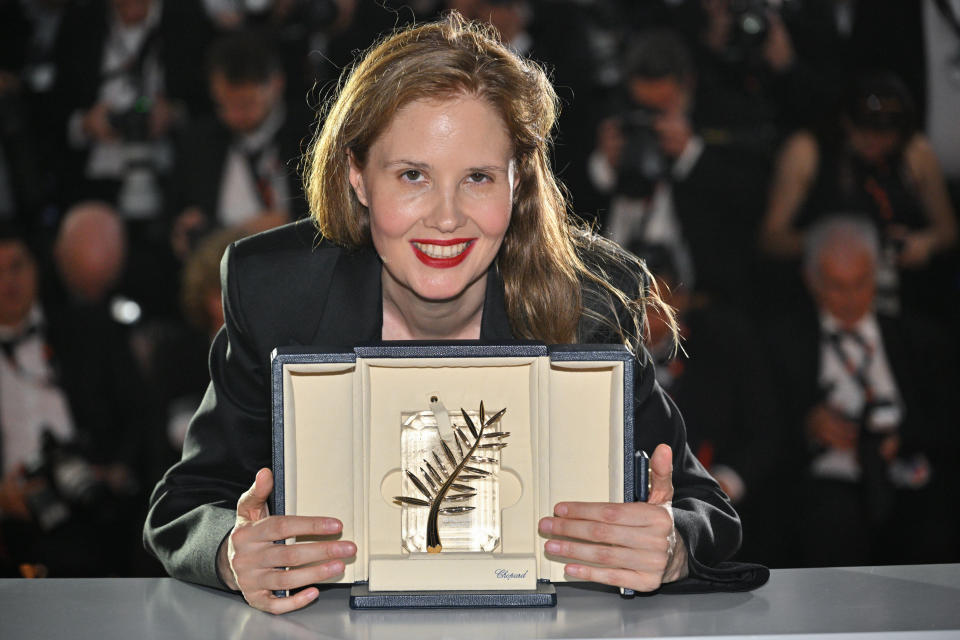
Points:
x=544 y=256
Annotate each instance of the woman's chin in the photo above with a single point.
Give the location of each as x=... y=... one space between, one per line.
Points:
x=439 y=295
x=444 y=289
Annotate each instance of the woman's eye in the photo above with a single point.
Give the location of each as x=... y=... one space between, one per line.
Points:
x=479 y=177
x=411 y=175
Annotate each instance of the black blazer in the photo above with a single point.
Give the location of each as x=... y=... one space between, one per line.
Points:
x=283 y=287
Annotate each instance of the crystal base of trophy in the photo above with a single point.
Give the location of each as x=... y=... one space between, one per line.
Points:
x=440 y=459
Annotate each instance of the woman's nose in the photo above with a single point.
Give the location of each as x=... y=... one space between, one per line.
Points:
x=446 y=214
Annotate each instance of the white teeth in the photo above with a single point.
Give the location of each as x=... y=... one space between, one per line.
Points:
x=440 y=251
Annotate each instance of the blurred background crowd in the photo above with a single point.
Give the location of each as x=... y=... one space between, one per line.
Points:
x=790 y=170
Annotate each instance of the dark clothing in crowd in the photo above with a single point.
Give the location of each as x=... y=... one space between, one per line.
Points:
x=829 y=521
x=726 y=396
x=719 y=205
x=201 y=160
x=113 y=426
x=21 y=181
x=178 y=42
x=845 y=183
x=888 y=195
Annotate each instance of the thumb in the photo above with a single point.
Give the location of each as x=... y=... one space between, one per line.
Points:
x=253 y=503
x=661 y=475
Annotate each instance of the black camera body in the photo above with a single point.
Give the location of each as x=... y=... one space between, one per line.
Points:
x=750 y=25
x=133 y=124
x=68 y=484
x=642 y=161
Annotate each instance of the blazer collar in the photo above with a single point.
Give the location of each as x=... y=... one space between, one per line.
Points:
x=494 y=324
x=353 y=313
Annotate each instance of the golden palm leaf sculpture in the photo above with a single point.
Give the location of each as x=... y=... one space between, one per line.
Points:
x=439 y=483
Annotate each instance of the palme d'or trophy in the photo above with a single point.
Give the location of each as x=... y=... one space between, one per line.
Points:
x=440 y=481
x=444 y=514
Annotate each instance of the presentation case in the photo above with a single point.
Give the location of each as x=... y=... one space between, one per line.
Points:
x=346 y=430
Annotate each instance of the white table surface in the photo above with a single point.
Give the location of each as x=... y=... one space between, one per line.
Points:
x=921 y=601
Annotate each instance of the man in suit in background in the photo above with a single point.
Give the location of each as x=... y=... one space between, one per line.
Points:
x=126 y=77
x=74 y=432
x=670 y=184
x=239 y=167
x=870 y=434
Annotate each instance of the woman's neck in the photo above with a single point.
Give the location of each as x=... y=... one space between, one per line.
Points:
x=407 y=316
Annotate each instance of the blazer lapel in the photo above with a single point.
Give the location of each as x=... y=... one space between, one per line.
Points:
x=494 y=323
x=353 y=311
x=353 y=308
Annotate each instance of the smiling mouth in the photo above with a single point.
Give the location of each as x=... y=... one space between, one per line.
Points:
x=442 y=253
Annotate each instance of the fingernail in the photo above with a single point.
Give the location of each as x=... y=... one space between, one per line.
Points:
x=560 y=510
x=546 y=525
x=552 y=546
x=573 y=570
x=346 y=548
x=331 y=525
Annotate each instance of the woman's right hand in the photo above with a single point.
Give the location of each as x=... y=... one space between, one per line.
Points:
x=252 y=563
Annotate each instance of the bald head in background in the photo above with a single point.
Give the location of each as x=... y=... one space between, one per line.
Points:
x=840 y=265
x=90 y=250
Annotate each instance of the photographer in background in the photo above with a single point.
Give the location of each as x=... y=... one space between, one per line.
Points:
x=301 y=30
x=871 y=473
x=128 y=75
x=767 y=66
x=666 y=184
x=74 y=447
x=238 y=168
x=871 y=159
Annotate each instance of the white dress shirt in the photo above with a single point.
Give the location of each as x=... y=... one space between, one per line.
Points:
x=240 y=198
x=846 y=395
x=30 y=400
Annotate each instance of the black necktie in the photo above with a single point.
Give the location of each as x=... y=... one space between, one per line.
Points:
x=10 y=345
x=878 y=492
x=857 y=372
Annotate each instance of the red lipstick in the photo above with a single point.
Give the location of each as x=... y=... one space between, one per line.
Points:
x=442 y=263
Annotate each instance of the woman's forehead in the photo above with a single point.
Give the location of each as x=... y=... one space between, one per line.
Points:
x=446 y=124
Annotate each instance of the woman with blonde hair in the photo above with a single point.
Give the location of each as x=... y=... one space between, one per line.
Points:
x=436 y=215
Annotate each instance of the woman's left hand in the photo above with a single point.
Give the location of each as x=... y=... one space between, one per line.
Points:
x=633 y=545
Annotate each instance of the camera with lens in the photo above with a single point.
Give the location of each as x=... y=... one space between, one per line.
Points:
x=66 y=484
x=642 y=161
x=750 y=25
x=133 y=124
x=139 y=195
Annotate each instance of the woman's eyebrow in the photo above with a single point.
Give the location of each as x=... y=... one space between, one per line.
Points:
x=405 y=163
x=490 y=168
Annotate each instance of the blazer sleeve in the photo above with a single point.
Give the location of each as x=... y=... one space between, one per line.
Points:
x=193 y=507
